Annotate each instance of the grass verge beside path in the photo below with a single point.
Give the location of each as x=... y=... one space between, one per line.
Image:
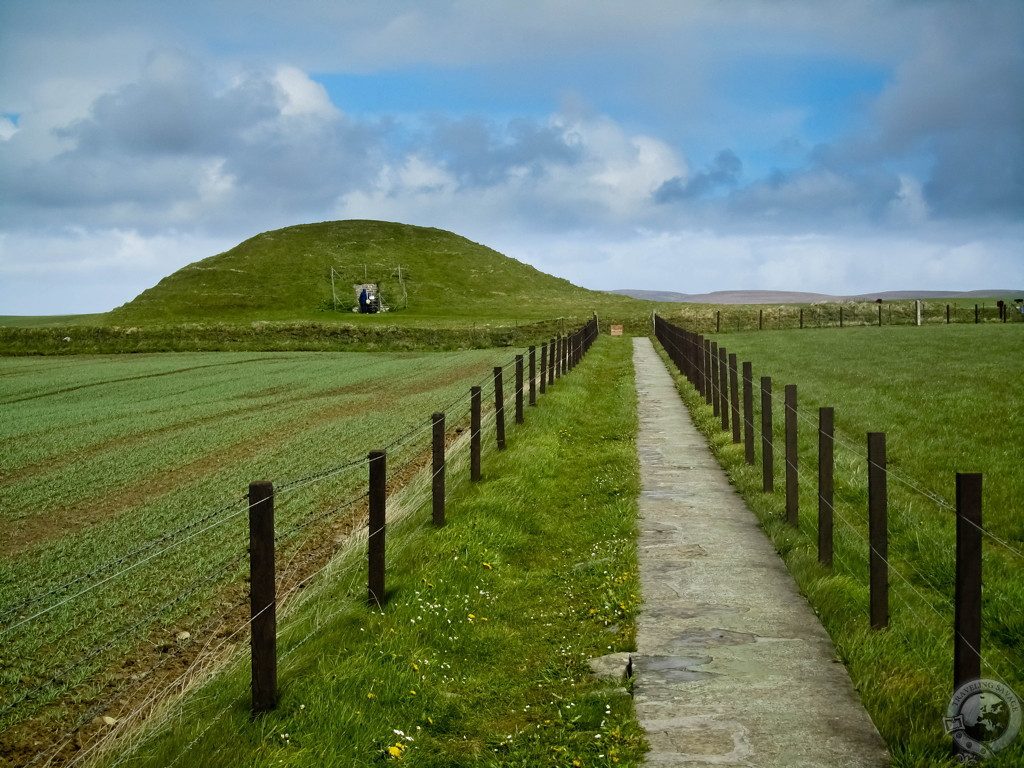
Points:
x=480 y=655
x=942 y=401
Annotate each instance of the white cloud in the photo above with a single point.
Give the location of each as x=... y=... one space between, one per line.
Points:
x=80 y=270
x=610 y=177
x=699 y=261
x=7 y=128
x=301 y=95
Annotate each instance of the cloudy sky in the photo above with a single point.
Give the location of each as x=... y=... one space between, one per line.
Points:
x=692 y=146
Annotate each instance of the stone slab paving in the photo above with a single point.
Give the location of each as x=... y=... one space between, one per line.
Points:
x=732 y=666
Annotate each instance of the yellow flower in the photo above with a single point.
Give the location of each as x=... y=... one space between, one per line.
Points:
x=396 y=750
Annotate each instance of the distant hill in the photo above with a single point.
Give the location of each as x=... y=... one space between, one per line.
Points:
x=286 y=274
x=800 y=297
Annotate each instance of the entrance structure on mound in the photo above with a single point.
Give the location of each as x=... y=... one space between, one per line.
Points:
x=368 y=299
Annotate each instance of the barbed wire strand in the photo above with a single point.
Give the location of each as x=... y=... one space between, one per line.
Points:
x=118 y=560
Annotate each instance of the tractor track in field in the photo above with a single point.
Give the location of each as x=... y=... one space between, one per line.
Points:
x=105 y=382
x=32 y=531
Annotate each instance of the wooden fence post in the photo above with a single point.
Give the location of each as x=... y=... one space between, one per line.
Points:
x=533 y=376
x=801 y=317
x=551 y=361
x=879 y=315
x=734 y=398
x=878 y=533
x=519 y=389
x=543 y=367
x=976 y=318
x=840 y=316
x=438 y=467
x=378 y=515
x=792 y=483
x=826 y=466
x=723 y=376
x=499 y=408
x=709 y=387
x=262 y=597
x=716 y=385
x=718 y=321
x=760 y=319
x=702 y=374
x=748 y=412
x=967 y=601
x=474 y=433
x=947 y=314
x=767 y=438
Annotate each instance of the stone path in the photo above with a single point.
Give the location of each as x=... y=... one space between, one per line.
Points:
x=732 y=666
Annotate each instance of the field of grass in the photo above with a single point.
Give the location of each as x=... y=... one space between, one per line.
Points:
x=948 y=399
x=480 y=655
x=122 y=486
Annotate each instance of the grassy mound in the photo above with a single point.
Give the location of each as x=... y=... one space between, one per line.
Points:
x=422 y=272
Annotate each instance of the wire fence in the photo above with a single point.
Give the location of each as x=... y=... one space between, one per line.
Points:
x=92 y=619
x=851 y=313
x=698 y=360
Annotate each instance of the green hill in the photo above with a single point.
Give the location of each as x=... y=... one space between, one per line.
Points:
x=423 y=273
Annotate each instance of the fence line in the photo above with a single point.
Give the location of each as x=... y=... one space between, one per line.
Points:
x=566 y=351
x=689 y=352
x=283 y=600
x=844 y=314
x=932 y=496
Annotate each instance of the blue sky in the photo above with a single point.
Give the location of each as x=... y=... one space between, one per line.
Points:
x=823 y=146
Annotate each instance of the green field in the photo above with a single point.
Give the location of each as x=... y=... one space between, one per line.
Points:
x=480 y=656
x=122 y=485
x=949 y=399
